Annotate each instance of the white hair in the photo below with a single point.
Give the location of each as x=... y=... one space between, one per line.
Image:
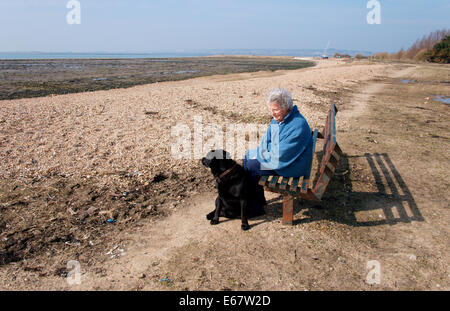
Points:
x=282 y=97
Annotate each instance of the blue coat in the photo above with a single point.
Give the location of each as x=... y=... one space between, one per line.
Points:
x=287 y=146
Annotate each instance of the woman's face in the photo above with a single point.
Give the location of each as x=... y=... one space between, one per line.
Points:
x=277 y=112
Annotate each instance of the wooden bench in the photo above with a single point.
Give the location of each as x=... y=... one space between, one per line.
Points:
x=302 y=187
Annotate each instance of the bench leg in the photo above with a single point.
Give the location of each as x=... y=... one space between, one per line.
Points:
x=288 y=209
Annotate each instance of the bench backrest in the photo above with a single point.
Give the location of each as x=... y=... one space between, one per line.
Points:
x=331 y=154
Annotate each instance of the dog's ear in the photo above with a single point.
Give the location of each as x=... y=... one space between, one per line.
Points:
x=206 y=162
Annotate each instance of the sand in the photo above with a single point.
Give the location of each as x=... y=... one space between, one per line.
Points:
x=129 y=129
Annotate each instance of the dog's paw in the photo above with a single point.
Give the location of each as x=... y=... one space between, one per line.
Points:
x=245 y=226
x=210 y=215
x=214 y=221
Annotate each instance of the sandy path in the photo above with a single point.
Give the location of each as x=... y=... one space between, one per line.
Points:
x=154 y=243
x=359 y=101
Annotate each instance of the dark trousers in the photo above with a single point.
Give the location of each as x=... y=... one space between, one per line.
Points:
x=254 y=167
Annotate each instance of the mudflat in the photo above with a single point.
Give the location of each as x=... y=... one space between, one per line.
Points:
x=41 y=77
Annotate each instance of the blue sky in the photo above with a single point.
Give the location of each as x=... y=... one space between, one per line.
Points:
x=162 y=25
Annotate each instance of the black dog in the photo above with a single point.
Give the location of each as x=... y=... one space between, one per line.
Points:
x=235 y=187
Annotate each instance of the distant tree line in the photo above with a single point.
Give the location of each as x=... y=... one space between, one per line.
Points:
x=434 y=47
x=339 y=55
x=342 y=56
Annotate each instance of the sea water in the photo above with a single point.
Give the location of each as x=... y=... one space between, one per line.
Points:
x=442 y=99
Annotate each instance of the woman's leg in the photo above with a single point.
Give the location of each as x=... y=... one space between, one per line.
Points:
x=254 y=168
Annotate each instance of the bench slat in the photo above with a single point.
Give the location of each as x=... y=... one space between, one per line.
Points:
x=273 y=181
x=284 y=183
x=326 y=133
x=333 y=124
x=300 y=184
x=291 y=179
x=331 y=167
x=336 y=155
x=294 y=184
x=280 y=179
x=305 y=185
x=263 y=180
x=326 y=179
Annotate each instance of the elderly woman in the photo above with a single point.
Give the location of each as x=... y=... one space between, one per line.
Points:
x=285 y=149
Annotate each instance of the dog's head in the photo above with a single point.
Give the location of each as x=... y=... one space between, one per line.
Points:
x=218 y=161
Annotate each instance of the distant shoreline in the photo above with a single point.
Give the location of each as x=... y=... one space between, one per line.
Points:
x=25 y=78
x=12 y=55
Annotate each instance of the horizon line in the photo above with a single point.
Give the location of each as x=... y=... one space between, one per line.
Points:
x=178 y=50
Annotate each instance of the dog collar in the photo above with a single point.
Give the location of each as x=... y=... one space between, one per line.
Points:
x=226 y=172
